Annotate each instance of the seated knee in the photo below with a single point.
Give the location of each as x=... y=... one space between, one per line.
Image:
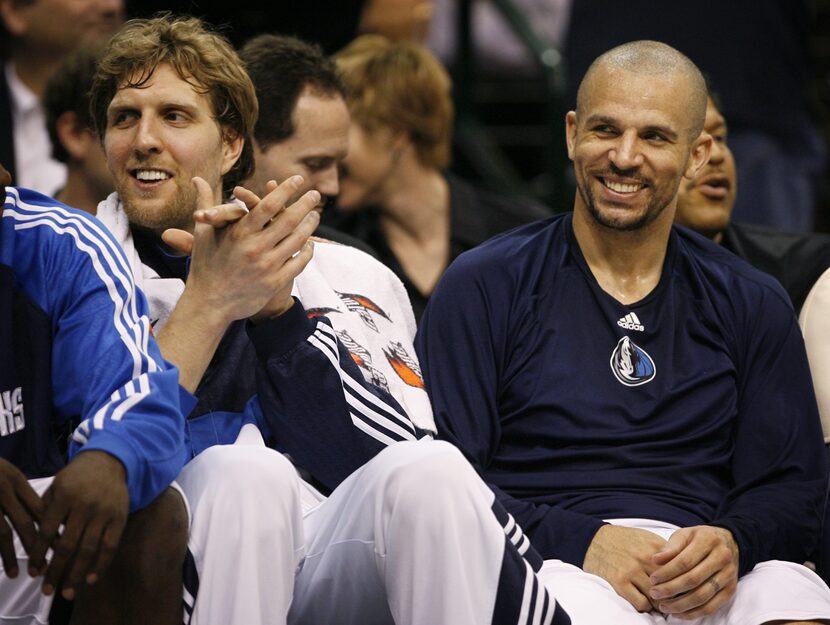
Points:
x=244 y=486
x=237 y=470
x=427 y=473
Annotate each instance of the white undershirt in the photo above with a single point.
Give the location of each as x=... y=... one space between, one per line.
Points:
x=35 y=167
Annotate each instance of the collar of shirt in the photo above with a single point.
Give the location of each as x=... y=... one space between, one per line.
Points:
x=35 y=167
x=24 y=101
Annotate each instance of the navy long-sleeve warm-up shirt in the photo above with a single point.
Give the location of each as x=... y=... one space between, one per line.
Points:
x=692 y=406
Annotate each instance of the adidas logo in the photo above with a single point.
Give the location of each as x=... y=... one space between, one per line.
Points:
x=630 y=322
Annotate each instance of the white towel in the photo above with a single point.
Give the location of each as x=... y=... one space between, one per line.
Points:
x=162 y=293
x=370 y=311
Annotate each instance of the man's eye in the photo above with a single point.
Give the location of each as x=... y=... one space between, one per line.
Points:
x=655 y=137
x=317 y=165
x=122 y=117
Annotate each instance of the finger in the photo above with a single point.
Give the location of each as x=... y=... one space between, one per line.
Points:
x=29 y=498
x=220 y=216
x=294 y=265
x=23 y=524
x=106 y=550
x=636 y=597
x=275 y=201
x=696 y=598
x=287 y=222
x=270 y=186
x=301 y=259
x=53 y=516
x=204 y=194
x=85 y=555
x=23 y=508
x=683 y=561
x=247 y=197
x=64 y=551
x=642 y=585
x=695 y=578
x=678 y=541
x=711 y=606
x=179 y=240
x=294 y=242
x=7 y=551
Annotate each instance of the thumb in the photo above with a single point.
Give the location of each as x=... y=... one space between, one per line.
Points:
x=179 y=240
x=676 y=543
x=204 y=194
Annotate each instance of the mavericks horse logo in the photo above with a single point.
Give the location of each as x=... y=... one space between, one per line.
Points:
x=631 y=364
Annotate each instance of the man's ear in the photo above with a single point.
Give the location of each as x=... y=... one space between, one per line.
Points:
x=13 y=15
x=570 y=132
x=74 y=136
x=232 y=144
x=400 y=141
x=5 y=177
x=701 y=149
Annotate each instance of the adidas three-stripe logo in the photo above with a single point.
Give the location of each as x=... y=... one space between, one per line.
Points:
x=630 y=322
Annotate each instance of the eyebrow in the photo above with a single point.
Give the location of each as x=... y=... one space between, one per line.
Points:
x=603 y=119
x=721 y=125
x=600 y=119
x=116 y=106
x=664 y=130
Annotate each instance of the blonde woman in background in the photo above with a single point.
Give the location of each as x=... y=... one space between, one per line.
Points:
x=395 y=191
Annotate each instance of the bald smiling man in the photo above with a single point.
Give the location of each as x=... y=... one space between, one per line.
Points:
x=611 y=378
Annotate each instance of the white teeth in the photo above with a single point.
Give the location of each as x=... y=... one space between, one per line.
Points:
x=622 y=188
x=151 y=174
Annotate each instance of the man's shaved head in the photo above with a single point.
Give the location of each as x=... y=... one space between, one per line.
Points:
x=649 y=58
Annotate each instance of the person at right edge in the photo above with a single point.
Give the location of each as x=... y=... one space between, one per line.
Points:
x=638 y=397
x=705 y=205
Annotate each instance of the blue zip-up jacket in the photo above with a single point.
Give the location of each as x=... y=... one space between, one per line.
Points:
x=77 y=348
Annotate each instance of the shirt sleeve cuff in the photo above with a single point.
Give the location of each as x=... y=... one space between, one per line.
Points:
x=115 y=445
x=276 y=337
x=551 y=544
x=747 y=558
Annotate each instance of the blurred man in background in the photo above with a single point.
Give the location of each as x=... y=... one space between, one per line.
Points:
x=705 y=204
x=38 y=35
x=74 y=141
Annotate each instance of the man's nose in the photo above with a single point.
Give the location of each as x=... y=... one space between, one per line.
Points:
x=716 y=154
x=327 y=182
x=627 y=153
x=147 y=136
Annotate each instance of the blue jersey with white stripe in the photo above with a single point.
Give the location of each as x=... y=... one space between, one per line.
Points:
x=78 y=349
x=691 y=406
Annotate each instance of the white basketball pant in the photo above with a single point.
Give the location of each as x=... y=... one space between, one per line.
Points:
x=772 y=591
x=410 y=538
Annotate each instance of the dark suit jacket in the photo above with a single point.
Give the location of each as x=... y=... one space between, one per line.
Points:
x=7 y=157
x=796 y=260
